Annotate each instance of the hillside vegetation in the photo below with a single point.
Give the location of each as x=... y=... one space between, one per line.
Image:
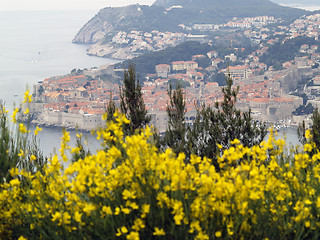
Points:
x=156 y=17
x=283 y=52
x=183 y=52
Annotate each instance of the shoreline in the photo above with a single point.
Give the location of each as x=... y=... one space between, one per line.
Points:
x=308 y=7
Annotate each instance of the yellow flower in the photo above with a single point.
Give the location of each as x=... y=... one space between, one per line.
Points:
x=21 y=154
x=218 y=234
x=117 y=211
x=145 y=210
x=14 y=172
x=235 y=142
x=121 y=231
x=126 y=210
x=307 y=202
x=308 y=147
x=56 y=216
x=14 y=115
x=66 y=218
x=158 y=232
x=138 y=224
x=307 y=224
x=107 y=210
x=133 y=236
x=308 y=134
x=22 y=128
x=15 y=182
x=89 y=207
x=128 y=194
x=3 y=110
x=22 y=238
x=37 y=130
x=77 y=216
x=27 y=97
x=33 y=158
x=75 y=150
x=202 y=236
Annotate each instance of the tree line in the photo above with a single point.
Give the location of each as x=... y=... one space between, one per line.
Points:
x=213 y=130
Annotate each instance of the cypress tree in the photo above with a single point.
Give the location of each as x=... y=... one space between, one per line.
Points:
x=314 y=129
x=221 y=125
x=175 y=135
x=131 y=101
x=110 y=109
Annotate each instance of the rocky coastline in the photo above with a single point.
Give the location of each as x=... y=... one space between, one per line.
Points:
x=37 y=119
x=110 y=51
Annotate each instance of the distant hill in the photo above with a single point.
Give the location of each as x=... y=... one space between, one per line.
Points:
x=220 y=10
x=133 y=17
x=303 y=2
x=161 y=17
x=183 y=52
x=283 y=52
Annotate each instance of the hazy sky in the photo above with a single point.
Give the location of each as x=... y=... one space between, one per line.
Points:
x=66 y=4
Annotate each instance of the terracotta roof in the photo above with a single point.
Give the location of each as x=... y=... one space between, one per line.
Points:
x=282 y=99
x=261 y=100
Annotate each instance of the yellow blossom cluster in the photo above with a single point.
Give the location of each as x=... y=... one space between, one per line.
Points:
x=131 y=190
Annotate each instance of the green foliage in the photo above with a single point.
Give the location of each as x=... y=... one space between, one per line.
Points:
x=130 y=190
x=111 y=109
x=16 y=151
x=220 y=78
x=316 y=65
x=131 y=101
x=203 y=62
x=214 y=129
x=283 y=52
x=314 y=129
x=208 y=11
x=178 y=83
x=76 y=71
x=183 y=52
x=175 y=135
x=303 y=110
x=137 y=17
x=8 y=150
x=303 y=95
x=80 y=151
x=33 y=149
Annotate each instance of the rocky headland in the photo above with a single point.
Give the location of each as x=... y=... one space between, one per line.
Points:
x=164 y=16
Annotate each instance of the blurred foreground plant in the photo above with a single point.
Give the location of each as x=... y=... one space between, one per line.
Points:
x=130 y=190
x=16 y=148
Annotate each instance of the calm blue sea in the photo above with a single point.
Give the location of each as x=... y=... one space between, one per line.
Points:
x=37 y=45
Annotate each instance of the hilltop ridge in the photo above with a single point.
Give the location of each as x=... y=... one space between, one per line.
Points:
x=104 y=25
x=210 y=3
x=315 y=2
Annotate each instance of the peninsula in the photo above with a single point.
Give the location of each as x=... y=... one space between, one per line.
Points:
x=126 y=32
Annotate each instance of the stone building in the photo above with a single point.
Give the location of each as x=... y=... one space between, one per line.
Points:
x=163 y=70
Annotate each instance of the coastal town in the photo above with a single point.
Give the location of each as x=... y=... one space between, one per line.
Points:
x=126 y=45
x=79 y=99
